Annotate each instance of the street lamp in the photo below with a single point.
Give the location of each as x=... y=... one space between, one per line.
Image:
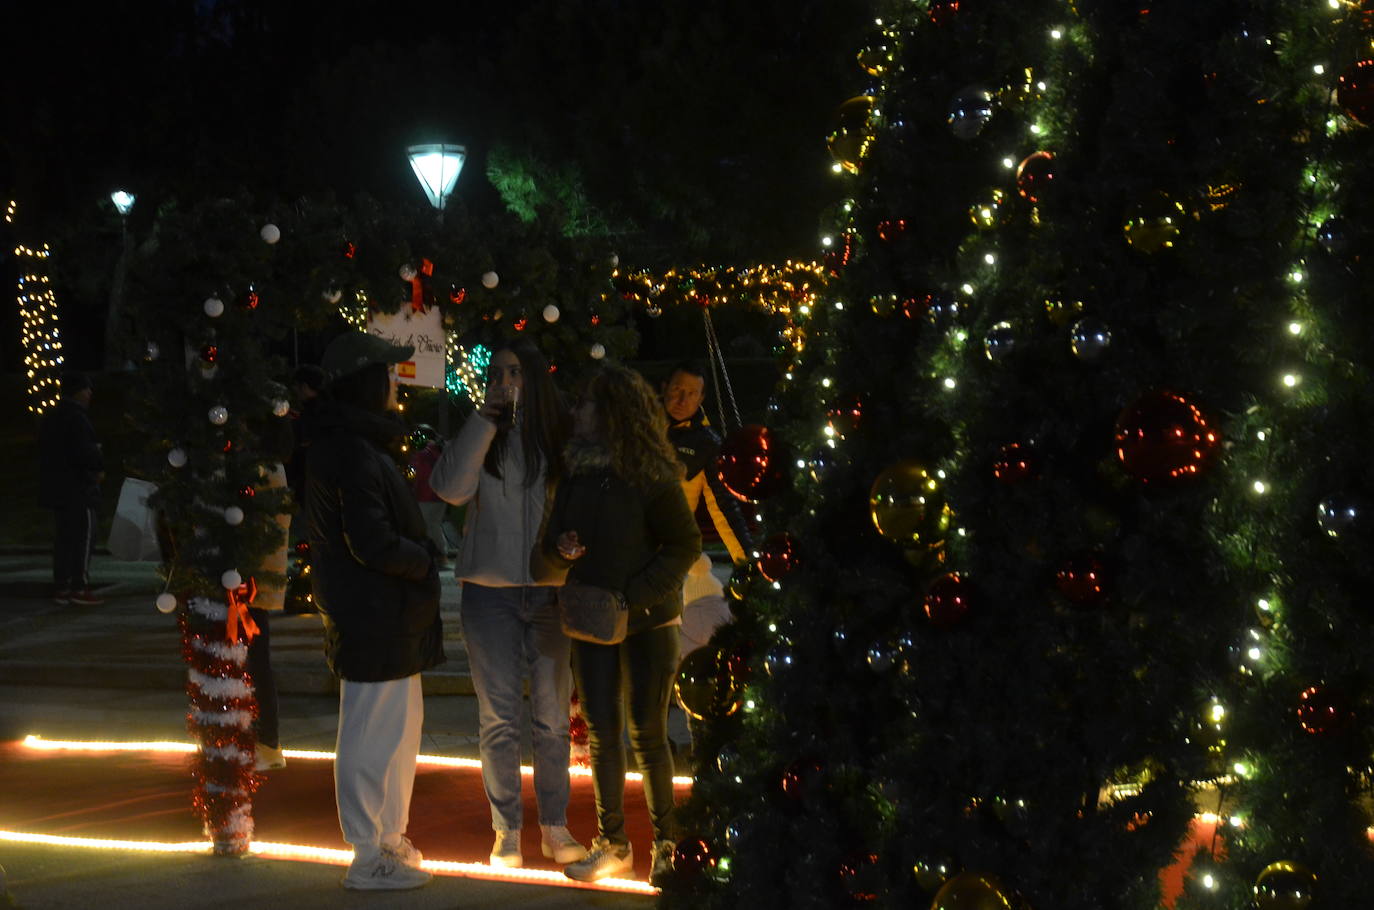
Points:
x=123 y=201
x=436 y=166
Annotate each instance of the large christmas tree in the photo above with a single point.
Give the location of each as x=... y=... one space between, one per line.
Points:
x=1075 y=548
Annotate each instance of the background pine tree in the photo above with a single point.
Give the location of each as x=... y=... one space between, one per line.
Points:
x=1076 y=544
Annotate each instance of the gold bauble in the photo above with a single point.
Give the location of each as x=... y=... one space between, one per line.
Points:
x=1285 y=885
x=971 y=891
x=1154 y=224
x=908 y=506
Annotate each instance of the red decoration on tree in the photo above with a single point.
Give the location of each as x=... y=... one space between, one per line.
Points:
x=838 y=257
x=844 y=416
x=1355 y=91
x=858 y=876
x=596 y=320
x=752 y=463
x=521 y=323
x=349 y=250
x=457 y=295
x=1323 y=711
x=778 y=557
x=1015 y=462
x=948 y=600
x=209 y=353
x=800 y=778
x=228 y=446
x=249 y=300
x=890 y=228
x=694 y=857
x=943 y=11
x=1082 y=579
x=1163 y=437
x=247 y=491
x=1035 y=175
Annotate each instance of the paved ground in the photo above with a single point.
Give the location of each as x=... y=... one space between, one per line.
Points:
x=115 y=671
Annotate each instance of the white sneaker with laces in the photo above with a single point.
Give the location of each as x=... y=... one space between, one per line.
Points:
x=406 y=852
x=606 y=860
x=557 y=843
x=506 y=850
x=268 y=758
x=383 y=872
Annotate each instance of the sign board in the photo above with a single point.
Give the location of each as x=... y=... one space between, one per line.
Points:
x=425 y=332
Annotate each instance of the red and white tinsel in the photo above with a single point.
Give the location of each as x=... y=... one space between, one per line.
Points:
x=223 y=708
x=580 y=754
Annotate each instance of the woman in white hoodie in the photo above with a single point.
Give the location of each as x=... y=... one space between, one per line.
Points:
x=503 y=464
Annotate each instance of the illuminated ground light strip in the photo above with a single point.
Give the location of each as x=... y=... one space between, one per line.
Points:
x=34 y=741
x=304 y=853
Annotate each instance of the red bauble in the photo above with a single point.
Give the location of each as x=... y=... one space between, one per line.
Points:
x=1323 y=711
x=1355 y=91
x=838 y=257
x=859 y=876
x=800 y=778
x=778 y=557
x=695 y=856
x=948 y=599
x=457 y=295
x=1082 y=579
x=1015 y=462
x=891 y=228
x=944 y=11
x=249 y=300
x=349 y=250
x=737 y=664
x=1035 y=176
x=1164 y=438
x=752 y=463
x=521 y=323
x=303 y=547
x=247 y=491
x=845 y=415
x=209 y=353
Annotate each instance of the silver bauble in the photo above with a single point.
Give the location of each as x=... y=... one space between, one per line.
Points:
x=969 y=111
x=1338 y=515
x=1089 y=339
x=1000 y=341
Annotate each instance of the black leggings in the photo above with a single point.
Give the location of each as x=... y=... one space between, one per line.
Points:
x=259 y=666
x=639 y=670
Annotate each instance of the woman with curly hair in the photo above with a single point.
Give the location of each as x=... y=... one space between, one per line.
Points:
x=620 y=521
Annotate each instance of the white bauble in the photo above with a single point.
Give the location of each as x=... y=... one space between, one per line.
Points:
x=231 y=579
x=408 y=272
x=219 y=415
x=332 y=295
x=490 y=280
x=177 y=458
x=281 y=407
x=598 y=351
x=214 y=307
x=166 y=602
x=233 y=516
x=614 y=261
x=551 y=313
x=270 y=233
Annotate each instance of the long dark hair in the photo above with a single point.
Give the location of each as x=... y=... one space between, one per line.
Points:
x=544 y=420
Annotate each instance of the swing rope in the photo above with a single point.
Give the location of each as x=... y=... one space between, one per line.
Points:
x=717 y=358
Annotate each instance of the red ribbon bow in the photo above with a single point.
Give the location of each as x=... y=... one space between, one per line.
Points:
x=417 y=286
x=239 y=599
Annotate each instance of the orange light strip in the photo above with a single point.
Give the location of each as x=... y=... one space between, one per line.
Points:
x=35 y=741
x=304 y=853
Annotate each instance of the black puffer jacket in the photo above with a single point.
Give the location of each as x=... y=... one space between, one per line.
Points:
x=69 y=458
x=640 y=542
x=374 y=578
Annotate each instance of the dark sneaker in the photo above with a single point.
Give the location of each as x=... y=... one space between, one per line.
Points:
x=383 y=873
x=87 y=598
x=606 y=860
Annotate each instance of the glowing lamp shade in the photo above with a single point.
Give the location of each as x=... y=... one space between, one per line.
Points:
x=123 y=202
x=437 y=167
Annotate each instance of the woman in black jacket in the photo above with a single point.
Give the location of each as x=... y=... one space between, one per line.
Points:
x=620 y=521
x=376 y=583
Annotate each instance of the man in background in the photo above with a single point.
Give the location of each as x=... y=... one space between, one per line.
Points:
x=70 y=470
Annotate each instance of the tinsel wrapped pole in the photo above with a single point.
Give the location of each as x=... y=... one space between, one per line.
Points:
x=223 y=709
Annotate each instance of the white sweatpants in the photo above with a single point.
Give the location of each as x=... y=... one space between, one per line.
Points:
x=374 y=764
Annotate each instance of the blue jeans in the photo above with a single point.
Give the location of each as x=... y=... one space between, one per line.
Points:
x=511 y=633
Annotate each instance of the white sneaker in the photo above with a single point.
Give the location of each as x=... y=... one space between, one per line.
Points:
x=557 y=843
x=406 y=852
x=383 y=873
x=606 y=860
x=268 y=758
x=506 y=850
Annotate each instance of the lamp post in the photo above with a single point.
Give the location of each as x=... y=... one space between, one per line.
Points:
x=437 y=166
x=114 y=334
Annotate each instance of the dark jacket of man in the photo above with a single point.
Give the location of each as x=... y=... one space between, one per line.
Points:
x=640 y=542
x=697 y=446
x=374 y=578
x=70 y=462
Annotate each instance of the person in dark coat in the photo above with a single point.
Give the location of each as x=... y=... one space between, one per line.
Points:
x=376 y=583
x=70 y=470
x=620 y=521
